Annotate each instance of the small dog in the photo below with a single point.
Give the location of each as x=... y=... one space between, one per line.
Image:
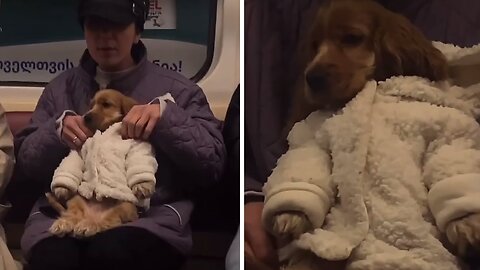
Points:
x=86 y=217
x=351 y=42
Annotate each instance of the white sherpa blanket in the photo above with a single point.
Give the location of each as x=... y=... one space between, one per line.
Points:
x=107 y=167
x=383 y=177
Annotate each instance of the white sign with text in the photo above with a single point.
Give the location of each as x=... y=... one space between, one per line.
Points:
x=42 y=62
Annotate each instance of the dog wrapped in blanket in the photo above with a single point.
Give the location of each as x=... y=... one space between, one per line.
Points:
x=384 y=172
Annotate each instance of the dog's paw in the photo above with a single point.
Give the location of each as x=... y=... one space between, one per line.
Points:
x=464 y=234
x=86 y=228
x=61 y=227
x=143 y=190
x=291 y=223
x=62 y=193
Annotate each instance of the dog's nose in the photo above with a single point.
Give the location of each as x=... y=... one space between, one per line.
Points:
x=317 y=79
x=87 y=118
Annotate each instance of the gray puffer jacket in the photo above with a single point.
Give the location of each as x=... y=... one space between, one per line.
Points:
x=187 y=140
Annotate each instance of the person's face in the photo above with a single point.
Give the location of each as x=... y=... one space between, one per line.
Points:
x=110 y=44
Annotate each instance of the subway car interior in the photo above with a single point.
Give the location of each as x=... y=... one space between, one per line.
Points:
x=199 y=39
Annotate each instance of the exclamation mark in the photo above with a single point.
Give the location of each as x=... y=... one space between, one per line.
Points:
x=180 y=66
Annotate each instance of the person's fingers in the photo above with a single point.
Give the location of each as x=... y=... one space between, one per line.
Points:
x=127 y=119
x=128 y=124
x=131 y=129
x=67 y=135
x=251 y=263
x=248 y=250
x=81 y=124
x=263 y=247
x=154 y=115
x=259 y=240
x=249 y=257
x=149 y=128
x=69 y=138
x=140 y=125
x=123 y=130
x=79 y=134
x=74 y=124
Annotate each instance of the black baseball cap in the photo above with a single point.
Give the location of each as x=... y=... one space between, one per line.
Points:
x=117 y=11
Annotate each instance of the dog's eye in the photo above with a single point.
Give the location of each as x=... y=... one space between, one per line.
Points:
x=106 y=104
x=352 y=39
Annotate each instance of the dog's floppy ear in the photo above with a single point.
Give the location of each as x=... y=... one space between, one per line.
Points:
x=127 y=104
x=401 y=49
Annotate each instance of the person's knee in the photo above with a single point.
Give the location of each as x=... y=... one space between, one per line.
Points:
x=55 y=253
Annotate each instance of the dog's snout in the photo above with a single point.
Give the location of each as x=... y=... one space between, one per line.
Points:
x=87 y=118
x=317 y=79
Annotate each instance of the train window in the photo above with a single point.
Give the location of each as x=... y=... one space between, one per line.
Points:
x=40 y=39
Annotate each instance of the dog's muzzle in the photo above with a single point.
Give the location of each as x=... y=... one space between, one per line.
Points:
x=88 y=118
x=317 y=79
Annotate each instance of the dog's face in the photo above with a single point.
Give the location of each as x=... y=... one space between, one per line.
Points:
x=353 y=41
x=107 y=107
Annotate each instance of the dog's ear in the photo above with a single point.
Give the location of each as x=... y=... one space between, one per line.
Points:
x=127 y=104
x=401 y=49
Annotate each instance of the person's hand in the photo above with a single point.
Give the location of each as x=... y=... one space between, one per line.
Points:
x=140 y=121
x=260 y=243
x=75 y=132
x=252 y=263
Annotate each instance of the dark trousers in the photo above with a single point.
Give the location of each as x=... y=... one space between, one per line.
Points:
x=121 y=248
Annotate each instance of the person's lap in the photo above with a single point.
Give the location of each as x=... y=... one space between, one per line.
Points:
x=119 y=248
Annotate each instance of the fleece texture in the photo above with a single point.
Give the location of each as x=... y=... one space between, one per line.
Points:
x=381 y=179
x=107 y=167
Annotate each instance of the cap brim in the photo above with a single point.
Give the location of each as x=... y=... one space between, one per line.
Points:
x=110 y=13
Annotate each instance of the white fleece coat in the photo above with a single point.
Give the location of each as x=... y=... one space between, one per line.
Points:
x=107 y=167
x=375 y=179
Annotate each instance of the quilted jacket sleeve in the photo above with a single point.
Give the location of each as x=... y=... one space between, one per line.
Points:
x=190 y=135
x=69 y=173
x=141 y=164
x=38 y=147
x=452 y=170
x=301 y=181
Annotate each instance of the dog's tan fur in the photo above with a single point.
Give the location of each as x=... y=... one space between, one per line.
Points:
x=83 y=217
x=351 y=42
